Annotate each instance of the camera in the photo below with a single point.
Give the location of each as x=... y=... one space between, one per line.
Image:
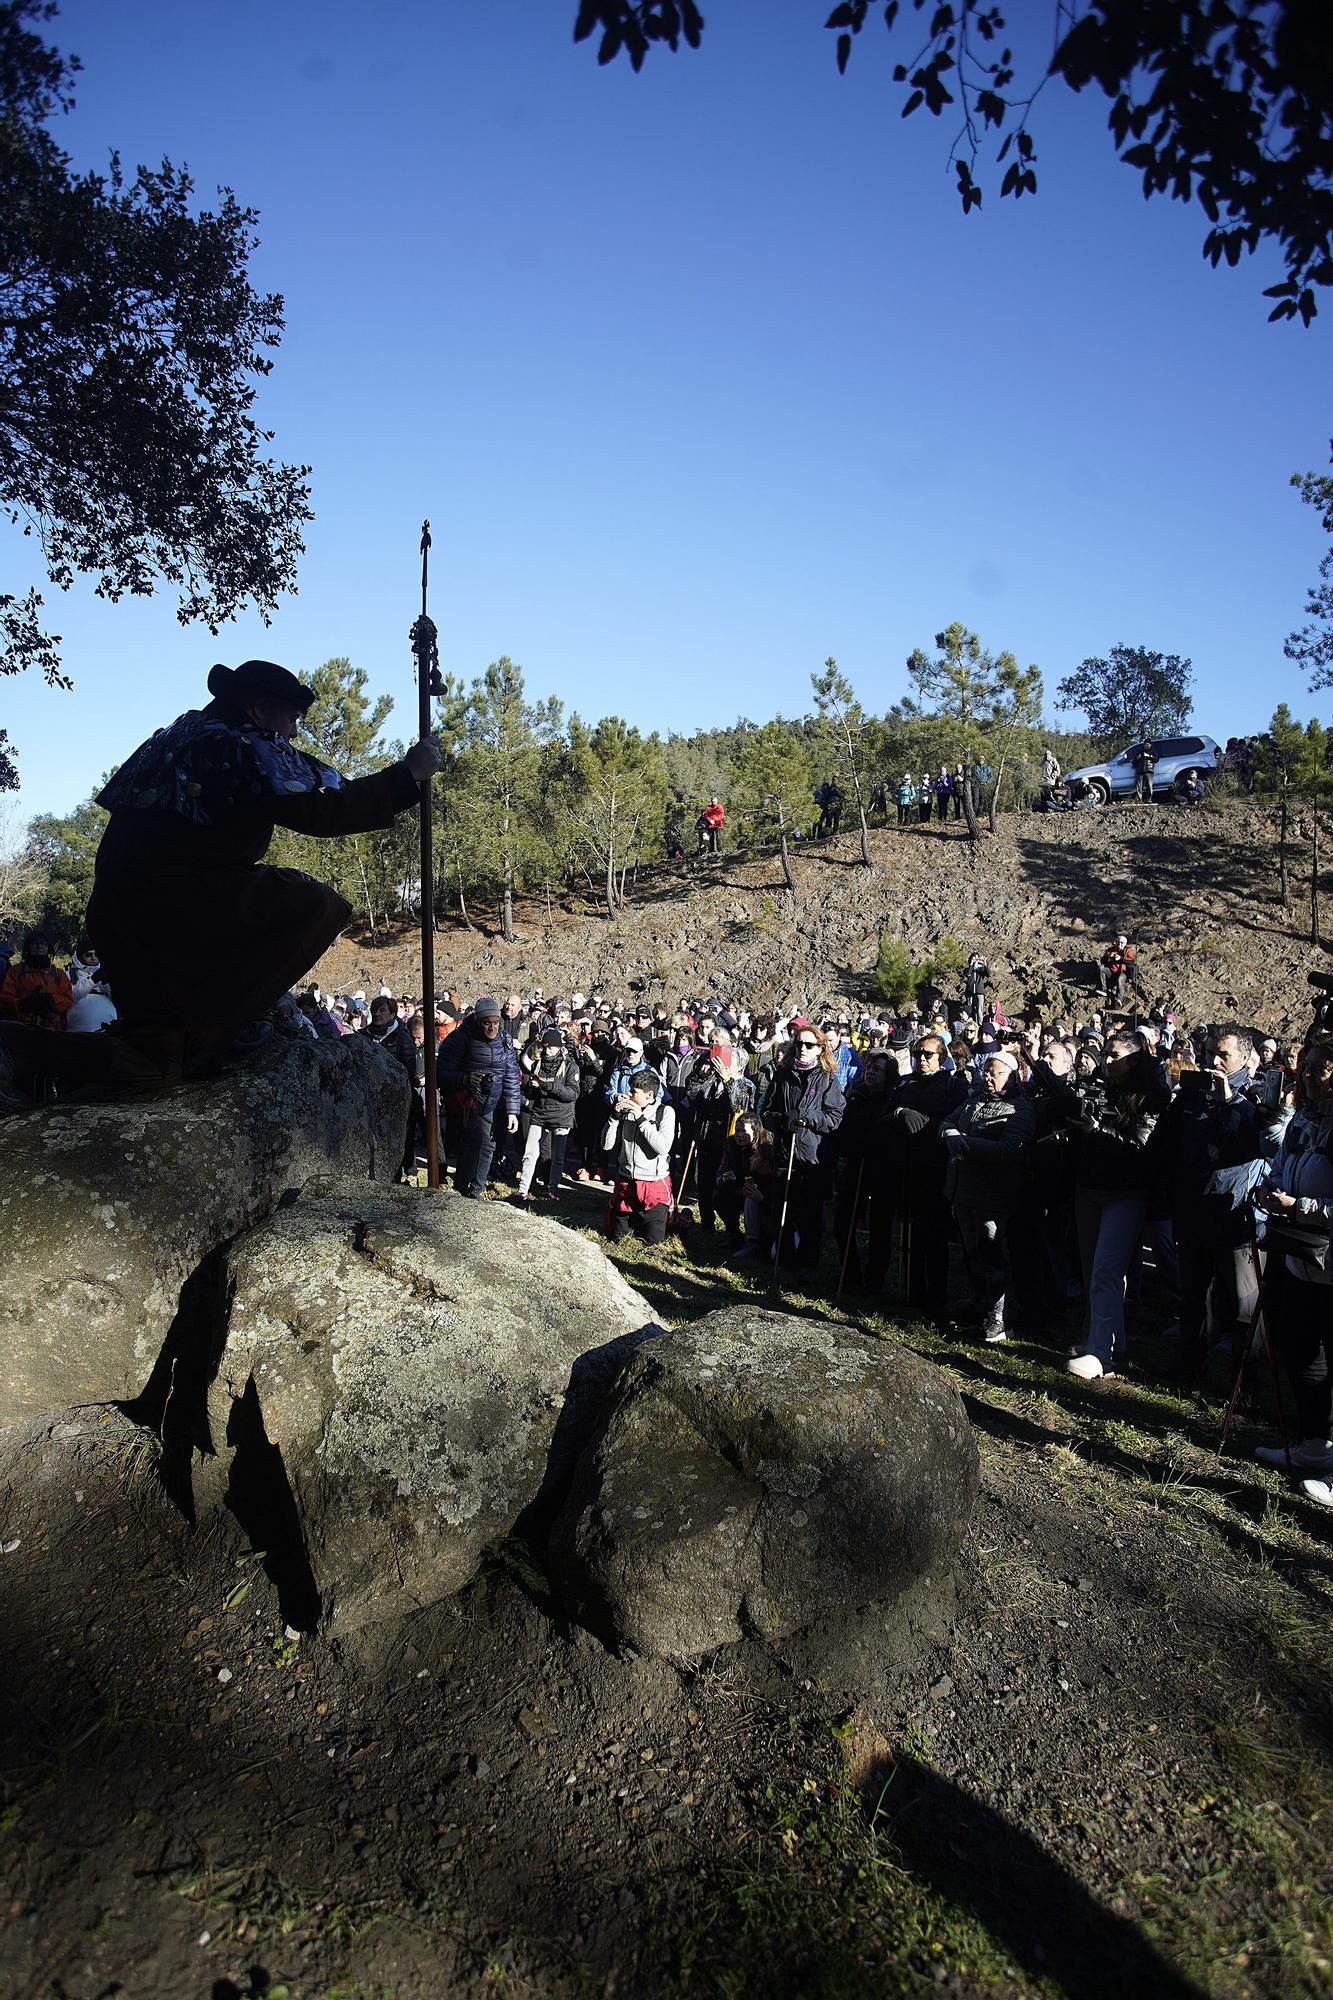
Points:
x=1092 y=1097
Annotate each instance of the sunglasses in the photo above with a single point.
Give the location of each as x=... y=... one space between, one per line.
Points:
x=929 y=1055
x=801 y=1043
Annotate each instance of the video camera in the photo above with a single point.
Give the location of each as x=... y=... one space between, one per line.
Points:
x=1092 y=1097
x=1322 y=1021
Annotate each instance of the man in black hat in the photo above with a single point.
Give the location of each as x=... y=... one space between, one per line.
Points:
x=178 y=888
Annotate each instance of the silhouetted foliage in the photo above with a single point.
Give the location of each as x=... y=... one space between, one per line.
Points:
x=1226 y=102
x=131 y=346
x=1312 y=646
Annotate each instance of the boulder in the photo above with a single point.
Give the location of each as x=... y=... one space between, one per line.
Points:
x=427 y=1366
x=762 y=1474
x=107 y=1209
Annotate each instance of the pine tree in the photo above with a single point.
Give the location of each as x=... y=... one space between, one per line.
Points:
x=771 y=772
x=846 y=723
x=498 y=780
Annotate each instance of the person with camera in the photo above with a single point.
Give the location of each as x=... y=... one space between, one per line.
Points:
x=985 y=1140
x=1111 y=1117
x=717 y=1090
x=36 y=992
x=1114 y=969
x=1145 y=764
x=549 y=1086
x=974 y=985
x=1221 y=1129
x=638 y=1138
x=479 y=1083
x=1295 y=1200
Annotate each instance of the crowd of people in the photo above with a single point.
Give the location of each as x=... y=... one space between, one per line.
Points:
x=1007 y=1178
x=1058 y=1156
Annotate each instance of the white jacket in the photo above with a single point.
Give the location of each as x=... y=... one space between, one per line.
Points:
x=642 y=1142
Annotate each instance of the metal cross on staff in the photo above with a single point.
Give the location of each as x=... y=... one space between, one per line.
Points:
x=425 y=645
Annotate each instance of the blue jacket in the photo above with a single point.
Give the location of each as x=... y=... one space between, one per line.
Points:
x=850 y=1067
x=489 y=1069
x=621 y=1072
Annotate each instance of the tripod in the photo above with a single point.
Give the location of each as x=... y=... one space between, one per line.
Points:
x=1257 y=1319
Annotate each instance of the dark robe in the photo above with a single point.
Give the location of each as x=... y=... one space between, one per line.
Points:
x=190 y=929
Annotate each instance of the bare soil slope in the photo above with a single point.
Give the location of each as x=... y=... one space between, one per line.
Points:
x=1040 y=899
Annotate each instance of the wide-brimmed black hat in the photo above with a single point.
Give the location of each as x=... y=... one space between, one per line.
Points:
x=262 y=679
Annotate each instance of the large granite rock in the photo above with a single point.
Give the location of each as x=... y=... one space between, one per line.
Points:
x=107 y=1209
x=427 y=1366
x=760 y=1474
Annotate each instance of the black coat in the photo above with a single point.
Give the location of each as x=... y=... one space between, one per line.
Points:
x=550 y=1092
x=806 y=1103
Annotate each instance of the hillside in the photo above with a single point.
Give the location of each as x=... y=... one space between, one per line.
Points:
x=1040 y=899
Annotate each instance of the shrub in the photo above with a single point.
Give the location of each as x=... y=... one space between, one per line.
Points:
x=896 y=975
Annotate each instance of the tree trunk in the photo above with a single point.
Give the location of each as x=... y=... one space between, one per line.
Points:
x=787 y=874
x=992 y=810
x=507 y=912
x=970 y=815
x=1283 y=880
x=1314 y=873
x=365 y=891
x=462 y=900
x=610 y=881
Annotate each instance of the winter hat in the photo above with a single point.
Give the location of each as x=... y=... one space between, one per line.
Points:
x=634 y=1047
x=578 y=1000
x=1003 y=1056
x=553 y=1039
x=798 y=1021
x=486 y=1009
x=899 y=1039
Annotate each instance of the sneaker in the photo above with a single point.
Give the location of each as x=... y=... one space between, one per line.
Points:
x=994 y=1335
x=518 y=1199
x=1086 y=1366
x=1308 y=1455
x=1318 y=1490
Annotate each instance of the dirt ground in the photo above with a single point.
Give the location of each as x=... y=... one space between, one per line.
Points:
x=1113 y=1777
x=1198 y=890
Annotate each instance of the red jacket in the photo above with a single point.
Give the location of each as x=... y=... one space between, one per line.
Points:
x=22 y=981
x=713 y=815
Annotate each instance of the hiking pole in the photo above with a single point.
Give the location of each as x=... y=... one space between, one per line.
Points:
x=851 y=1231
x=685 y=1174
x=782 y=1218
x=425 y=644
x=904 y=1233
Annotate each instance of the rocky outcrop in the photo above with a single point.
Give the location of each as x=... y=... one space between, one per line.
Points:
x=428 y=1368
x=763 y=1474
x=12 y=1098
x=106 y=1210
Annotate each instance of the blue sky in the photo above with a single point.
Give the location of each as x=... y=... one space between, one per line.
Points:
x=700 y=374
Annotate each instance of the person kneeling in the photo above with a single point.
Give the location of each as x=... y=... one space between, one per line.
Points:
x=639 y=1134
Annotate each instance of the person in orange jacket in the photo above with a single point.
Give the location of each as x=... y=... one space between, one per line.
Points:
x=36 y=992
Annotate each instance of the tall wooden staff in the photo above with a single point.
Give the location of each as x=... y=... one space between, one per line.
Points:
x=425 y=644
